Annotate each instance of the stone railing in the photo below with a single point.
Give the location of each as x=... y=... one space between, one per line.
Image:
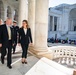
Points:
x=48 y=67
x=64 y=54
x=64 y=51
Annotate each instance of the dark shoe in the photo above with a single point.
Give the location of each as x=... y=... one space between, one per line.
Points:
x=10 y=67
x=26 y=62
x=2 y=61
x=22 y=62
x=13 y=52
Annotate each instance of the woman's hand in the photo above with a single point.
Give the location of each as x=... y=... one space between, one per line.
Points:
x=30 y=44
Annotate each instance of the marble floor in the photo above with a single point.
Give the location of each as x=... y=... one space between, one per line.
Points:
x=21 y=69
x=17 y=67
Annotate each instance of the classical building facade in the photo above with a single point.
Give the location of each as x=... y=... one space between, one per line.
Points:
x=62 y=21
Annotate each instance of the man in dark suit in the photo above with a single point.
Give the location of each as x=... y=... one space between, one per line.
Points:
x=1 y=22
x=6 y=40
x=15 y=34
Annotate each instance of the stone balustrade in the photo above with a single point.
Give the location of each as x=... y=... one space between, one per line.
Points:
x=48 y=67
x=64 y=55
x=63 y=51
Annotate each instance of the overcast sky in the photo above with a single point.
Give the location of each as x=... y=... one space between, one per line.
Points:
x=53 y=3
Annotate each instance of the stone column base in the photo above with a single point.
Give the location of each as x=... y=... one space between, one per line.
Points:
x=41 y=53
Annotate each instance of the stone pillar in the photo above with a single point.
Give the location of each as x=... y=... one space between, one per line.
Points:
x=57 y=23
x=49 y=23
x=12 y=13
x=31 y=17
x=16 y=15
x=71 y=25
x=41 y=25
x=60 y=27
x=5 y=13
x=53 y=24
x=23 y=5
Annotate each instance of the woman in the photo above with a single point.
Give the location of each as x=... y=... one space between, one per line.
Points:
x=25 y=38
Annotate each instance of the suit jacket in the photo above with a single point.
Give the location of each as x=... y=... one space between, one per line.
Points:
x=4 y=34
x=25 y=38
x=15 y=32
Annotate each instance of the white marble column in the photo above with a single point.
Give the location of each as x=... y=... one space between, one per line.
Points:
x=41 y=25
x=23 y=6
x=60 y=27
x=16 y=15
x=53 y=24
x=5 y=13
x=72 y=25
x=12 y=13
x=49 y=23
x=57 y=23
x=31 y=17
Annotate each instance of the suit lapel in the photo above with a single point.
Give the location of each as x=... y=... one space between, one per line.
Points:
x=6 y=30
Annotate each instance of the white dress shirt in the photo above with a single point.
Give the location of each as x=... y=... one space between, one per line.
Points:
x=9 y=32
x=25 y=30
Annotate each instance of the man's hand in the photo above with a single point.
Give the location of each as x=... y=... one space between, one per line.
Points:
x=0 y=45
x=13 y=45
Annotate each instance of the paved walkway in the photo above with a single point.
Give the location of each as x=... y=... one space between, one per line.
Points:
x=17 y=67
